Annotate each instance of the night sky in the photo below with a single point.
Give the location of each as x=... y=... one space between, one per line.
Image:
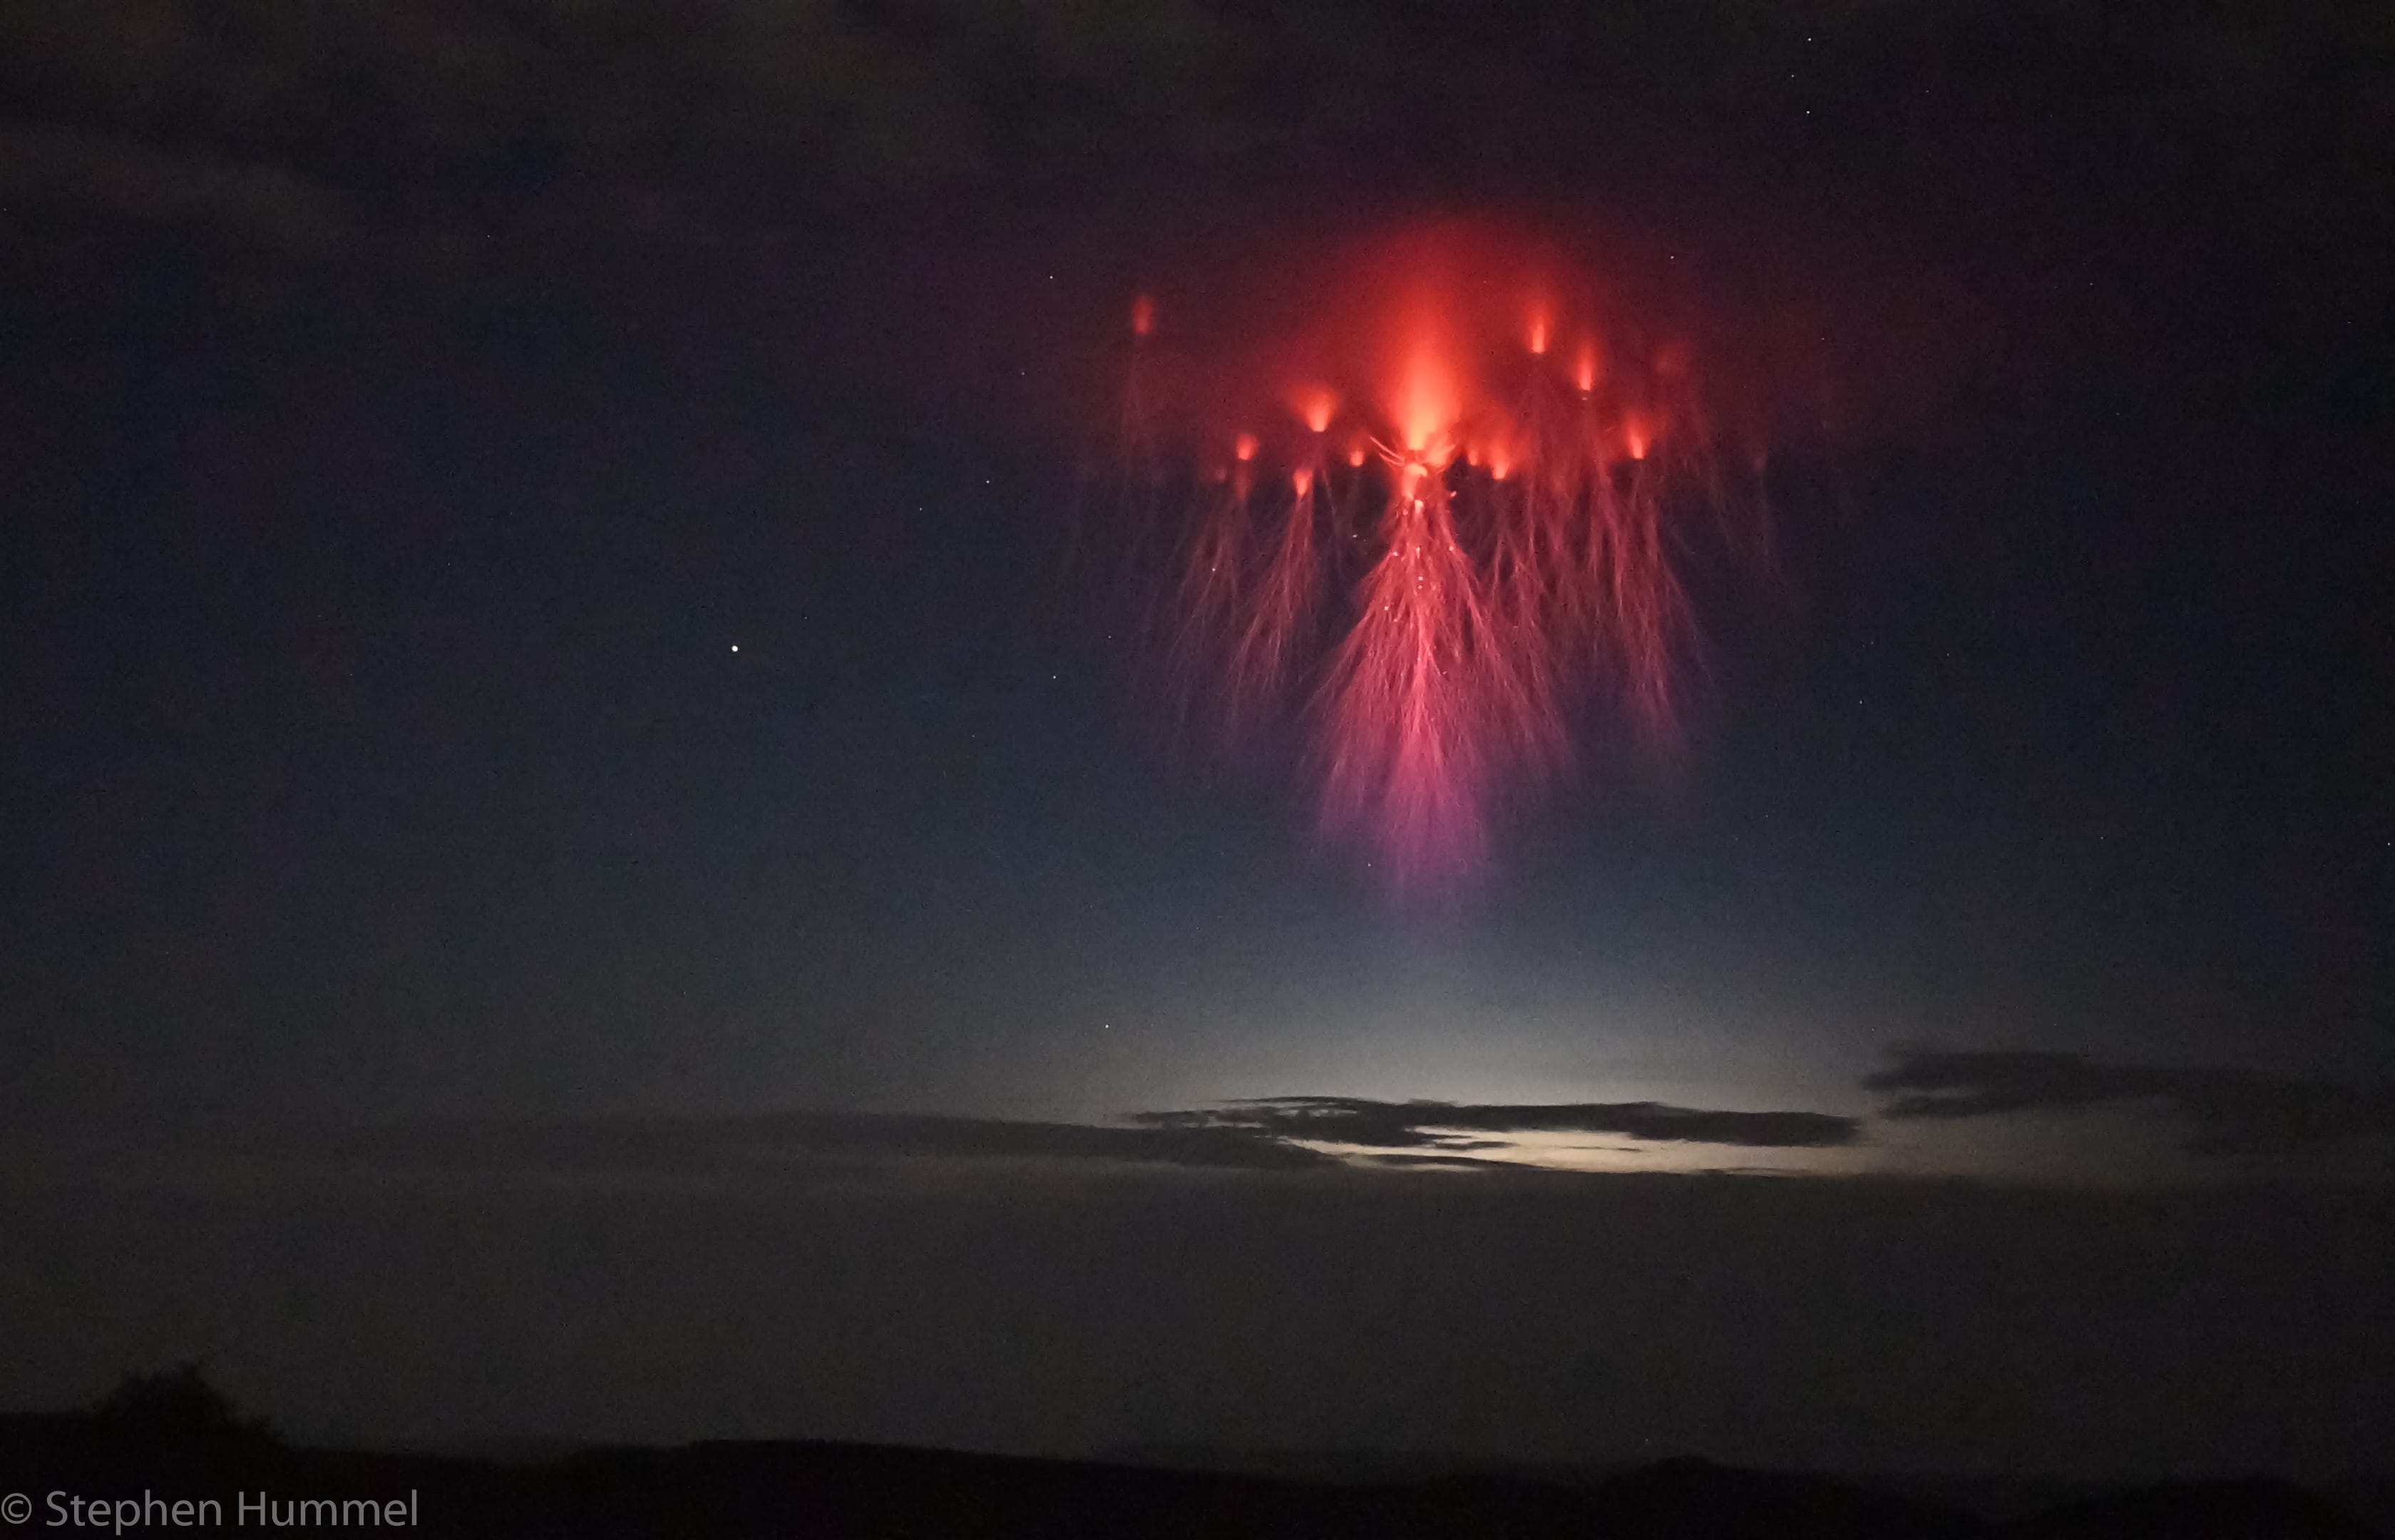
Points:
x=581 y=856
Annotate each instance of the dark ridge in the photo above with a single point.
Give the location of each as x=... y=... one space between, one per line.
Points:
x=832 y=1490
x=2248 y=1508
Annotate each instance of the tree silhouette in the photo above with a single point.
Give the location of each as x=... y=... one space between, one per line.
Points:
x=177 y=1406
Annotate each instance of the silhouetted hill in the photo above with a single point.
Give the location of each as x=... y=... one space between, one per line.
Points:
x=1692 y=1498
x=2254 y=1508
x=853 y=1490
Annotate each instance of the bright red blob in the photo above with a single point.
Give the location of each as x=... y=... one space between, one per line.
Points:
x=1498 y=542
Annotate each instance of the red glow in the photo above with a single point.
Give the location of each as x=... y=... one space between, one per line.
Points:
x=1426 y=401
x=1476 y=603
x=1585 y=371
x=1142 y=316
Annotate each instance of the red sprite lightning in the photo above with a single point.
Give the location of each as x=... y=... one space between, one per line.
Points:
x=1441 y=514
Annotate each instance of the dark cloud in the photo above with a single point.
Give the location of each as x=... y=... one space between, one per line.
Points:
x=624 y=115
x=2230 y=1113
x=1459 y=1162
x=145 y=182
x=635 y=1148
x=441 y=124
x=1257 y=1136
x=1447 y=1125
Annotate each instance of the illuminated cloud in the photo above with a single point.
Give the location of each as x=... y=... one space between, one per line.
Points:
x=1450 y=1126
